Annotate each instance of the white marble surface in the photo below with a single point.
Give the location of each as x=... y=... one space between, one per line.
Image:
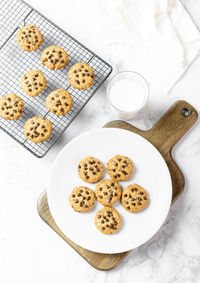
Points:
x=29 y=250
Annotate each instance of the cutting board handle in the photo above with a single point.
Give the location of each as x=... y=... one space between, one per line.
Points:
x=172 y=126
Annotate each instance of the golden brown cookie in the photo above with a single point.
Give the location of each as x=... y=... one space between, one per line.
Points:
x=82 y=199
x=29 y=38
x=81 y=76
x=11 y=106
x=59 y=102
x=33 y=82
x=54 y=57
x=134 y=198
x=108 y=220
x=90 y=169
x=108 y=192
x=37 y=129
x=120 y=168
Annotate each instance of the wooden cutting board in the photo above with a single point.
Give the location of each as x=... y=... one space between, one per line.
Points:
x=163 y=135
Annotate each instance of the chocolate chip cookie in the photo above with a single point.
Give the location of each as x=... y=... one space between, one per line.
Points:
x=59 y=102
x=11 y=107
x=108 y=192
x=33 y=82
x=29 y=38
x=134 y=198
x=90 y=169
x=81 y=76
x=120 y=168
x=54 y=57
x=82 y=199
x=108 y=220
x=37 y=129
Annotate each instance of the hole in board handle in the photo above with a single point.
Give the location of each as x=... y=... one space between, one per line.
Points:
x=185 y=112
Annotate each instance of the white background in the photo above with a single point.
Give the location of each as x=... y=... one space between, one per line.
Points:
x=29 y=250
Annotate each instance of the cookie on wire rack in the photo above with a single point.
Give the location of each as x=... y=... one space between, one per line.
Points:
x=11 y=106
x=81 y=76
x=54 y=57
x=29 y=38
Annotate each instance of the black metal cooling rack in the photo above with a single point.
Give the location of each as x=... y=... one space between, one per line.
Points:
x=14 y=62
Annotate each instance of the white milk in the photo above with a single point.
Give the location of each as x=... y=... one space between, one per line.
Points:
x=127 y=94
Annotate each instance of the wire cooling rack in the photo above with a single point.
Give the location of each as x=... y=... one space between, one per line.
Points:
x=14 y=62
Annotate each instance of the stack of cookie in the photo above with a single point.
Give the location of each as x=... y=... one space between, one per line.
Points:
x=108 y=191
x=33 y=82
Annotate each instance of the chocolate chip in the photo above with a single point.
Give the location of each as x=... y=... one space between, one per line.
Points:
x=139 y=203
x=102 y=221
x=75 y=71
x=87 y=193
x=83 y=81
x=87 y=177
x=100 y=196
x=76 y=200
x=79 y=195
x=114 y=170
x=89 y=198
x=99 y=216
x=141 y=193
x=62 y=61
x=115 y=194
x=42 y=134
x=105 y=193
x=103 y=228
x=115 y=163
x=86 y=70
x=77 y=76
x=124 y=172
x=145 y=198
x=128 y=207
x=94 y=173
x=100 y=188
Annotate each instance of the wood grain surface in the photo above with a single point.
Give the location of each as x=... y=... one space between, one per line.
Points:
x=163 y=135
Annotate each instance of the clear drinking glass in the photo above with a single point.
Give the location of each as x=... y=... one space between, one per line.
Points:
x=128 y=76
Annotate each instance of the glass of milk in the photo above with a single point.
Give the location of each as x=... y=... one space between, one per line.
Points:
x=127 y=93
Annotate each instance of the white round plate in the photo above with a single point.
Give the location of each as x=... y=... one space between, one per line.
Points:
x=151 y=172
